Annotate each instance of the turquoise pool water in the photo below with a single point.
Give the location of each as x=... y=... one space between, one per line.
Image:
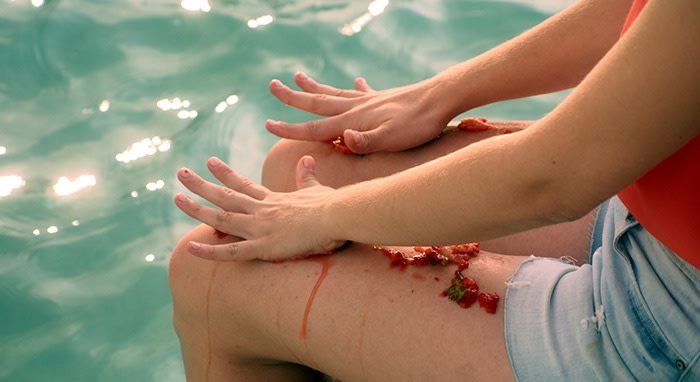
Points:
x=101 y=102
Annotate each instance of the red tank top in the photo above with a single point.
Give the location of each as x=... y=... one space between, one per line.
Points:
x=666 y=200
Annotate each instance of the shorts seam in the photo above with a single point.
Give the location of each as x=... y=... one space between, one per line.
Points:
x=506 y=332
x=596 y=229
x=691 y=366
x=640 y=306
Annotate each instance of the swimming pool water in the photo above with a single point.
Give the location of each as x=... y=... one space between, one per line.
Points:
x=102 y=101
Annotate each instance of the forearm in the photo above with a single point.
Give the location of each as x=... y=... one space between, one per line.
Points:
x=555 y=55
x=581 y=153
x=448 y=192
x=443 y=201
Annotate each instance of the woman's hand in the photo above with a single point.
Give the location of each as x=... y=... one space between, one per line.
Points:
x=387 y=120
x=272 y=225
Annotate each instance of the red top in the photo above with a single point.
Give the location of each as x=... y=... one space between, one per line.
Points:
x=666 y=200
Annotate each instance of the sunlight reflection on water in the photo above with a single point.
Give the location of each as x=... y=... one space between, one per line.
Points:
x=106 y=100
x=10 y=183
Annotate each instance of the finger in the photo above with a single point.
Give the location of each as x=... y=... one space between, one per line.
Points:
x=363 y=142
x=232 y=223
x=306 y=173
x=362 y=85
x=235 y=181
x=321 y=104
x=223 y=197
x=238 y=251
x=317 y=130
x=308 y=85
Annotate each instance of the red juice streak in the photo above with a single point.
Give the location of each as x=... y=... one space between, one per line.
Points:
x=215 y=268
x=361 y=344
x=208 y=320
x=325 y=261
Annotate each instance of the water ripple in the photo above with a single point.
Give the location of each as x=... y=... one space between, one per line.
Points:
x=80 y=83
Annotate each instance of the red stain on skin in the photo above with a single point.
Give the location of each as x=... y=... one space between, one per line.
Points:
x=207 y=319
x=339 y=145
x=325 y=261
x=464 y=291
x=220 y=235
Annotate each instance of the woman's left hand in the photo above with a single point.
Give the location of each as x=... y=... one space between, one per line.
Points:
x=272 y=225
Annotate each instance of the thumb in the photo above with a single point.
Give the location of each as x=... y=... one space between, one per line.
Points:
x=306 y=173
x=363 y=142
x=362 y=85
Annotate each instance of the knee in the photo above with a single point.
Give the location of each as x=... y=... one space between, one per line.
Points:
x=181 y=261
x=188 y=277
x=280 y=163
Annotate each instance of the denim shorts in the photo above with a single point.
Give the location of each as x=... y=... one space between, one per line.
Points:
x=633 y=313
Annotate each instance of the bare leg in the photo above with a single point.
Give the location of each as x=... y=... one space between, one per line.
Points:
x=368 y=322
x=241 y=321
x=335 y=169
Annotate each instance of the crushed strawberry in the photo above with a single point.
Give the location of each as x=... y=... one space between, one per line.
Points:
x=339 y=145
x=475 y=124
x=464 y=291
x=489 y=302
x=220 y=235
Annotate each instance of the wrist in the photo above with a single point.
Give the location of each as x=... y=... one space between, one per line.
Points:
x=454 y=91
x=331 y=216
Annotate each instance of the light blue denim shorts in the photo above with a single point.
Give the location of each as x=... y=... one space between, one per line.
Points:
x=633 y=313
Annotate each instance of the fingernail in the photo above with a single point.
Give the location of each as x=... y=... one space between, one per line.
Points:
x=183 y=198
x=276 y=83
x=195 y=246
x=303 y=76
x=308 y=163
x=271 y=122
x=185 y=173
x=215 y=162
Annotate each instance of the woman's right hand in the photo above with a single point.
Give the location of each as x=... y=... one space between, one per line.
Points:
x=368 y=120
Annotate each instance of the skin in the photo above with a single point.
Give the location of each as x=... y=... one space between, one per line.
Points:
x=370 y=121
x=554 y=171
x=257 y=306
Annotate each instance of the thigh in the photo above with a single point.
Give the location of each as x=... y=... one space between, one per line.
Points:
x=570 y=239
x=367 y=321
